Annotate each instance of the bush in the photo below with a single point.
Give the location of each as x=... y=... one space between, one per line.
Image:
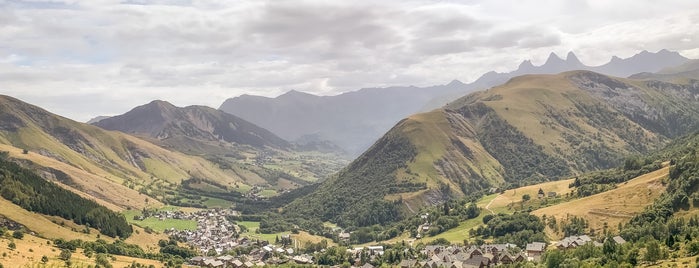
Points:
x=65 y=255
x=487 y=218
x=18 y=234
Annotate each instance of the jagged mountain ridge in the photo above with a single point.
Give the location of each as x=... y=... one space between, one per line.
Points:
x=533 y=128
x=642 y=62
x=354 y=120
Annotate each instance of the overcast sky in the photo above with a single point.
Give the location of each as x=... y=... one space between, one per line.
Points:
x=83 y=58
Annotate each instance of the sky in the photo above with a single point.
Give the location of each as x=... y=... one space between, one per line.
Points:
x=84 y=58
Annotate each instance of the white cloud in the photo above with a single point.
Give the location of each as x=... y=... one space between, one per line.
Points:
x=84 y=58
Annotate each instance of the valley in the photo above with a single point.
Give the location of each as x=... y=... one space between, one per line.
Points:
x=531 y=163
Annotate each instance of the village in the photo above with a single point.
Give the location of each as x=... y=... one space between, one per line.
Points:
x=217 y=237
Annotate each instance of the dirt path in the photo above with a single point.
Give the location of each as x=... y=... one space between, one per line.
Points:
x=490 y=203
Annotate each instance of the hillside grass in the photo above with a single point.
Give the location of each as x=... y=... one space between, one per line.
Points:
x=30 y=249
x=611 y=207
x=514 y=196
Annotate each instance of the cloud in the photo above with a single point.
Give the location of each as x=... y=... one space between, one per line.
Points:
x=89 y=57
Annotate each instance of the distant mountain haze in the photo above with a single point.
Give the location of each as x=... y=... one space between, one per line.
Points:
x=97 y=119
x=354 y=120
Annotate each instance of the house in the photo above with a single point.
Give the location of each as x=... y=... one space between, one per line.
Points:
x=506 y=259
x=367 y=265
x=407 y=263
x=213 y=263
x=199 y=261
x=535 y=249
x=552 y=194
x=344 y=236
x=237 y=263
x=477 y=261
x=619 y=240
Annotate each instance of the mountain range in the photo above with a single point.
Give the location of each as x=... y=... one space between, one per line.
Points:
x=533 y=128
x=354 y=120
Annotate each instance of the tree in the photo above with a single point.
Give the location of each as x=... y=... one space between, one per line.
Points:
x=653 y=253
x=65 y=255
x=554 y=259
x=12 y=245
x=18 y=234
x=44 y=259
x=102 y=260
x=25 y=151
x=526 y=197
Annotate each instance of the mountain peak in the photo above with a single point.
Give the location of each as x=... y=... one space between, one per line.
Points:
x=571 y=58
x=295 y=94
x=455 y=83
x=525 y=64
x=553 y=58
x=161 y=104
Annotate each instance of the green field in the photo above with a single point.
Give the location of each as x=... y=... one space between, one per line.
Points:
x=158 y=225
x=217 y=203
x=253 y=226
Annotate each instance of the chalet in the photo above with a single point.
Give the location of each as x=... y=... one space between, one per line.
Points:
x=573 y=242
x=473 y=252
x=199 y=261
x=367 y=265
x=407 y=263
x=619 y=240
x=506 y=259
x=477 y=261
x=213 y=263
x=535 y=249
x=344 y=236
x=457 y=264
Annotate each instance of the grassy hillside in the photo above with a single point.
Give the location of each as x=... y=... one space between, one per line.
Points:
x=611 y=207
x=534 y=128
x=30 y=250
x=110 y=166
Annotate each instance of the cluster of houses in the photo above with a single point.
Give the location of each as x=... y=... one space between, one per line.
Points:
x=214 y=230
x=576 y=241
x=473 y=256
x=264 y=256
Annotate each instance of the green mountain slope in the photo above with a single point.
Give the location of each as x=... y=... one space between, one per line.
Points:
x=533 y=128
x=113 y=167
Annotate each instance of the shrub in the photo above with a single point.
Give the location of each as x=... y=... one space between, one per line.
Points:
x=18 y=234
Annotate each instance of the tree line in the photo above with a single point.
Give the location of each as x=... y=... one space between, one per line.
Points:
x=28 y=190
